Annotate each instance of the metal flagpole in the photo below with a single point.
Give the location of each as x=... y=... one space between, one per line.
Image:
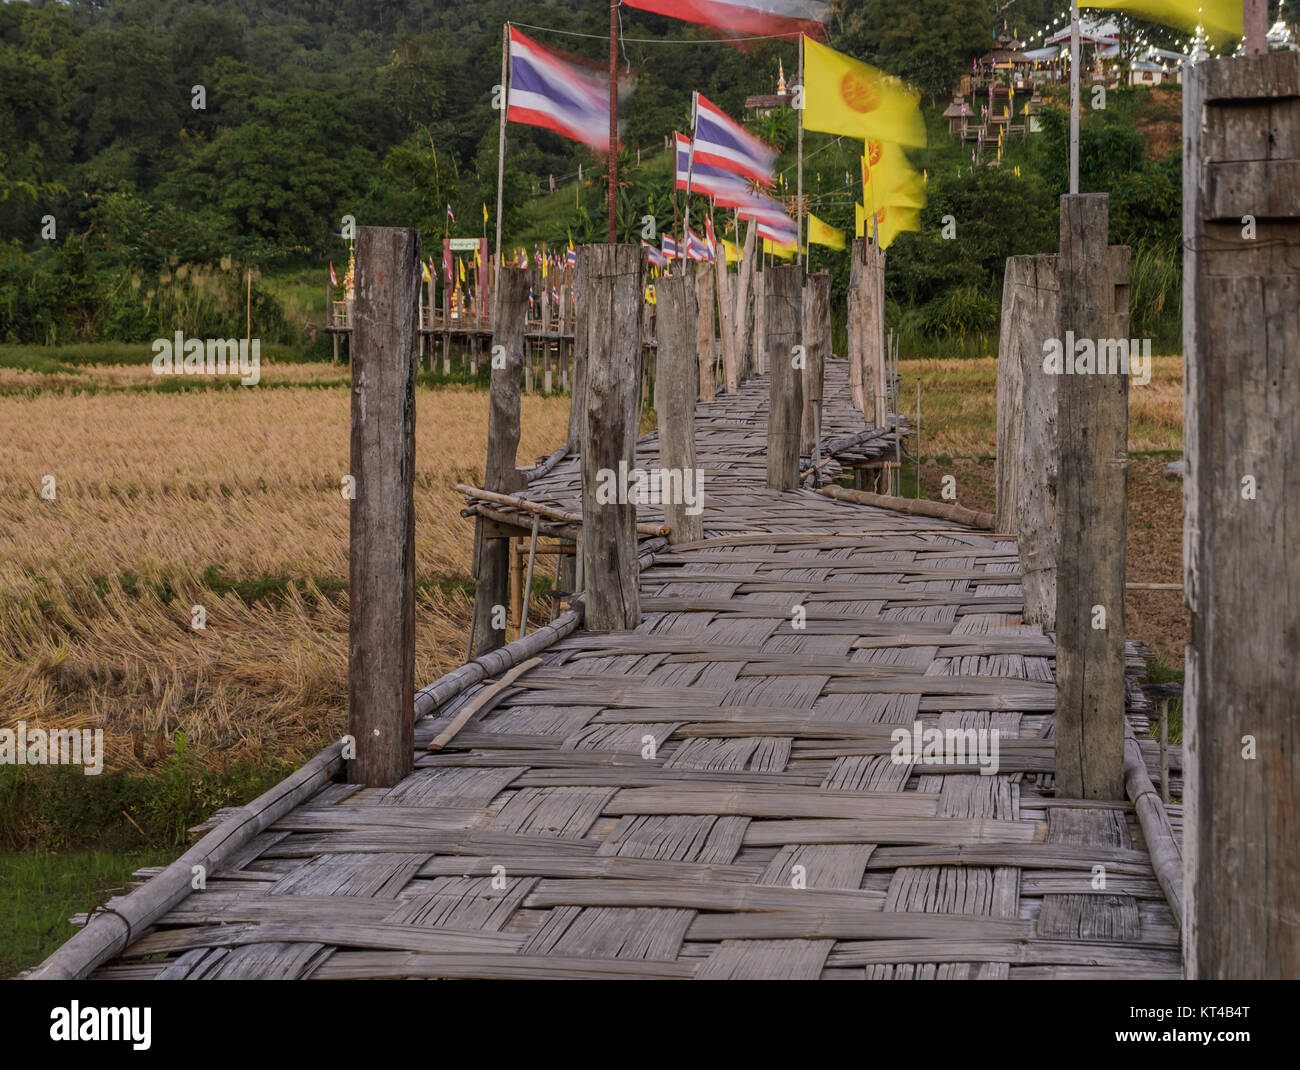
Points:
x=613 y=121
x=501 y=137
x=1074 y=96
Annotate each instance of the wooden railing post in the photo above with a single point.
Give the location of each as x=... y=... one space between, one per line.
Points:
x=857 y=258
x=491 y=546
x=705 y=345
x=578 y=383
x=381 y=550
x=785 y=381
x=675 y=392
x=817 y=350
x=1028 y=457
x=1241 y=345
x=727 y=324
x=1092 y=421
x=614 y=281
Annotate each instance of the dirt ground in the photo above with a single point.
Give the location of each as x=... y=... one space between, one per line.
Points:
x=1154 y=549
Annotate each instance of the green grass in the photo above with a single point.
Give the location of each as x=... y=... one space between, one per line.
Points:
x=39 y=892
x=66 y=359
x=1162 y=672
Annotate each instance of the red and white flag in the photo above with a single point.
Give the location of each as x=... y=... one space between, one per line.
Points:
x=740 y=17
x=334 y=279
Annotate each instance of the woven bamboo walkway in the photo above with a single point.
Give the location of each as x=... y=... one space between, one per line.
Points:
x=712 y=795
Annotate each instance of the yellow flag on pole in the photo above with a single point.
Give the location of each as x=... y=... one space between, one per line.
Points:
x=888 y=176
x=1222 y=18
x=892 y=221
x=820 y=233
x=844 y=96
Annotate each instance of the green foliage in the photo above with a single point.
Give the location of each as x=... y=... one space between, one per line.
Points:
x=928 y=43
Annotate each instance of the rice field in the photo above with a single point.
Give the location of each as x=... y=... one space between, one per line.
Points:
x=226 y=499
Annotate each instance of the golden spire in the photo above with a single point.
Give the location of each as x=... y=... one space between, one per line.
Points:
x=780 y=79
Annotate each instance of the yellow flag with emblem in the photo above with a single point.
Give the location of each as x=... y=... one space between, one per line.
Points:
x=820 y=233
x=1220 y=18
x=888 y=176
x=844 y=96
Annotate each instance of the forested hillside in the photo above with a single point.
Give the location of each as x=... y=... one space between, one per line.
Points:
x=125 y=210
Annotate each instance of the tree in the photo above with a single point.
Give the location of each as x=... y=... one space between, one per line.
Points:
x=928 y=43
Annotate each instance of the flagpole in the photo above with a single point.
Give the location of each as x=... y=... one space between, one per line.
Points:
x=501 y=136
x=613 y=122
x=798 y=241
x=690 y=167
x=1074 y=96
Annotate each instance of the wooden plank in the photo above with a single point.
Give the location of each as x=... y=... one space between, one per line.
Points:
x=381 y=559
x=894 y=830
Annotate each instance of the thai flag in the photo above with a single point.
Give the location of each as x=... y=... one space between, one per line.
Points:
x=572 y=257
x=695 y=247
x=723 y=142
x=786 y=236
x=762 y=209
x=709 y=236
x=334 y=279
x=450 y=214
x=706 y=179
x=446 y=263
x=537 y=256
x=548 y=91
x=530 y=299
x=745 y=16
x=670 y=248
x=654 y=255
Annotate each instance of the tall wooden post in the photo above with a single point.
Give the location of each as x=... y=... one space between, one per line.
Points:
x=614 y=281
x=857 y=257
x=492 y=546
x=1033 y=460
x=1241 y=340
x=744 y=312
x=705 y=345
x=675 y=392
x=578 y=387
x=785 y=382
x=727 y=325
x=381 y=557
x=817 y=350
x=760 y=324
x=1092 y=420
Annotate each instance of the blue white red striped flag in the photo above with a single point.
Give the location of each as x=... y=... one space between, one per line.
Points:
x=709 y=236
x=722 y=142
x=745 y=16
x=706 y=179
x=654 y=255
x=334 y=279
x=547 y=90
x=670 y=248
x=572 y=257
x=696 y=249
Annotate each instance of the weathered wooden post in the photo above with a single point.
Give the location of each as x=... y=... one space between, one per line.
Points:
x=785 y=399
x=743 y=322
x=578 y=385
x=857 y=257
x=613 y=281
x=727 y=325
x=546 y=338
x=878 y=375
x=760 y=324
x=1092 y=511
x=1028 y=456
x=491 y=543
x=817 y=350
x=675 y=390
x=1241 y=340
x=381 y=551
x=704 y=342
